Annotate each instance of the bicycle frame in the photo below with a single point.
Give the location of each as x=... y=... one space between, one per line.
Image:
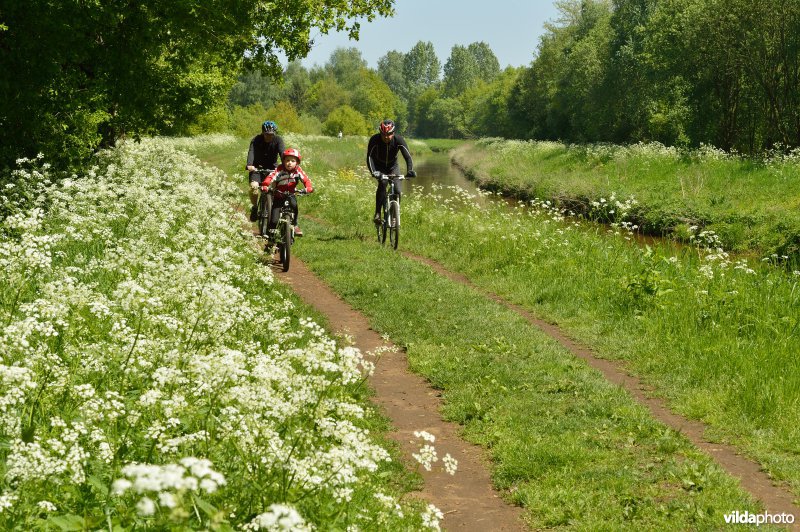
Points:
x=390 y=220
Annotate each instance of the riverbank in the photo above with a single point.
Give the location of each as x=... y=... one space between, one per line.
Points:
x=751 y=206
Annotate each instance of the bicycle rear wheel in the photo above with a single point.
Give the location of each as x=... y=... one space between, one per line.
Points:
x=394 y=224
x=286 y=253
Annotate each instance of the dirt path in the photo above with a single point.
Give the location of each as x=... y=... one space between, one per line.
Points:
x=466 y=499
x=753 y=479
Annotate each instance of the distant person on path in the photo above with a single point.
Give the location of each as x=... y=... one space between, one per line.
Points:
x=265 y=149
x=382 y=153
x=286 y=177
x=340 y=135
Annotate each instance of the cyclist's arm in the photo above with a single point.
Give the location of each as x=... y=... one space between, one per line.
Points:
x=403 y=147
x=251 y=155
x=370 y=149
x=306 y=181
x=268 y=180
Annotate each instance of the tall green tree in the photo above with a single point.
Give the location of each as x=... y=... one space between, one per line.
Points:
x=460 y=71
x=488 y=65
x=421 y=67
x=89 y=72
x=390 y=68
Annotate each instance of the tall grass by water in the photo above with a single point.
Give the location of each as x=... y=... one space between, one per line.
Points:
x=751 y=204
x=154 y=376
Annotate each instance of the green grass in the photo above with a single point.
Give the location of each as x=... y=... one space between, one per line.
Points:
x=751 y=205
x=716 y=340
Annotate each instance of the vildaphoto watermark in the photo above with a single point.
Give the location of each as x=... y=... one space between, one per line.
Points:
x=746 y=518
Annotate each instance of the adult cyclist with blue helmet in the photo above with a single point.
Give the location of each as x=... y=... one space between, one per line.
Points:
x=382 y=151
x=264 y=153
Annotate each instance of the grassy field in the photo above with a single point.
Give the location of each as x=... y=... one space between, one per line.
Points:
x=752 y=205
x=716 y=337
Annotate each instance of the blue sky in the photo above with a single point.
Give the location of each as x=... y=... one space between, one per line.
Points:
x=510 y=27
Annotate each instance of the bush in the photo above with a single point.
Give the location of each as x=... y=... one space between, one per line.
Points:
x=246 y=121
x=347 y=120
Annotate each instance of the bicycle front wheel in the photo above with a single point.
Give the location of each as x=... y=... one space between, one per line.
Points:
x=394 y=224
x=265 y=208
x=381 y=228
x=286 y=248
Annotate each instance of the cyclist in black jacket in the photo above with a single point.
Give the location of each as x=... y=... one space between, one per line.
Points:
x=382 y=153
x=265 y=152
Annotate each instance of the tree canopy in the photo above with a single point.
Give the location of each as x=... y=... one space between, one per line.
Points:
x=86 y=73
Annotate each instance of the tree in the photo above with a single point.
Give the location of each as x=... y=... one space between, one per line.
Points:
x=285 y=115
x=421 y=67
x=460 y=71
x=488 y=65
x=91 y=72
x=447 y=115
x=326 y=95
x=373 y=98
x=345 y=64
x=390 y=68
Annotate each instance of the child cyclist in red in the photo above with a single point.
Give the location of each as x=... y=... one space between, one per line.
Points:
x=286 y=177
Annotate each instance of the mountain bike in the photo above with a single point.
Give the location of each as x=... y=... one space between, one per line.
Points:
x=390 y=211
x=281 y=236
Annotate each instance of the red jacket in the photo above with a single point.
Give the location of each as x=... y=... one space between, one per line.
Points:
x=287 y=181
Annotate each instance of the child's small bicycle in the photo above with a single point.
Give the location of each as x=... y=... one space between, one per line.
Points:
x=390 y=215
x=281 y=236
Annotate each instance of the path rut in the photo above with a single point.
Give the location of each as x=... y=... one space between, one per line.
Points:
x=467 y=499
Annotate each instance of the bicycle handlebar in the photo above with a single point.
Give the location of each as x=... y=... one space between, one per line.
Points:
x=385 y=177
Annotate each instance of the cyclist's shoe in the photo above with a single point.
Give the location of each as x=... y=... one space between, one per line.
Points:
x=377 y=219
x=298 y=231
x=253 y=213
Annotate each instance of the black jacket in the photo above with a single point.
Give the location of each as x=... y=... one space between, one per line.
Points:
x=383 y=156
x=265 y=155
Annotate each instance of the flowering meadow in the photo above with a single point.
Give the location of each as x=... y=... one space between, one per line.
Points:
x=155 y=377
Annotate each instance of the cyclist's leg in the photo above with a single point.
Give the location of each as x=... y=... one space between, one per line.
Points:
x=255 y=183
x=276 y=213
x=380 y=197
x=293 y=205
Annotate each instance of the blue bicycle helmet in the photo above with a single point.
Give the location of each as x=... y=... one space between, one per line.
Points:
x=269 y=127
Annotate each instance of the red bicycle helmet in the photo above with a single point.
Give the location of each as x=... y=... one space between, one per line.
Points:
x=292 y=152
x=387 y=127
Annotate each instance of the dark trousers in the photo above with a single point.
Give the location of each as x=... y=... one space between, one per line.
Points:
x=380 y=192
x=277 y=203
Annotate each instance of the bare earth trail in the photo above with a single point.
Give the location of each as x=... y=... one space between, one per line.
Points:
x=467 y=499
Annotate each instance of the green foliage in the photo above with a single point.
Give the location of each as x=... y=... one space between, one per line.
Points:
x=390 y=69
x=246 y=121
x=447 y=116
x=285 y=115
x=373 y=98
x=325 y=95
x=347 y=120
x=460 y=71
x=108 y=70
